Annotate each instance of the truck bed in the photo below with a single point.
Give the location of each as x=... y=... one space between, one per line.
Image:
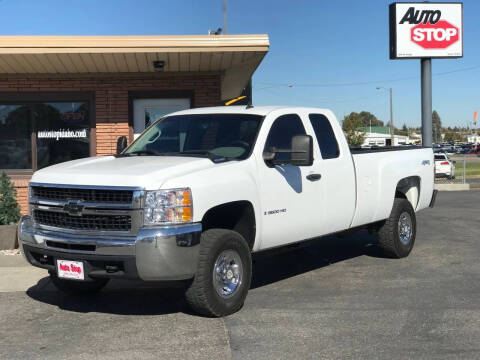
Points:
x=379 y=172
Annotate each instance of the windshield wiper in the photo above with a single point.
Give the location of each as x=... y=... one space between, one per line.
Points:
x=142 y=152
x=200 y=152
x=212 y=156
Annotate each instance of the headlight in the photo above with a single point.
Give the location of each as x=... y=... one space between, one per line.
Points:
x=168 y=206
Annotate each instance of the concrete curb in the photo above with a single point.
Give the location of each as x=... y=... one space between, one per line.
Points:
x=475 y=185
x=452 y=187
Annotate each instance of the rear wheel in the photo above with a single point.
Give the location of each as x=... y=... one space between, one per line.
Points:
x=396 y=236
x=78 y=287
x=223 y=275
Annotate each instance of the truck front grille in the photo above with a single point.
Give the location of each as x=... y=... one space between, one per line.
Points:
x=87 y=195
x=84 y=222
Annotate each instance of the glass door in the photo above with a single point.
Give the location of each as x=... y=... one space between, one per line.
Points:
x=147 y=111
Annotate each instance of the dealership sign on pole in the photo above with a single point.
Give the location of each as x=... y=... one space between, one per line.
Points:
x=424 y=31
x=431 y=30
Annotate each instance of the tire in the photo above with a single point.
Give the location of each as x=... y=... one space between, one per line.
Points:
x=78 y=287
x=395 y=241
x=207 y=294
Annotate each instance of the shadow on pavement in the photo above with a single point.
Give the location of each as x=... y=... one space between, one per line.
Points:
x=140 y=298
x=119 y=297
x=274 y=265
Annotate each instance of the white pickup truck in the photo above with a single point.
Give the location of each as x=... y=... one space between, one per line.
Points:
x=202 y=189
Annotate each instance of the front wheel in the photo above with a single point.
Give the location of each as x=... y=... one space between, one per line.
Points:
x=397 y=235
x=223 y=275
x=76 y=286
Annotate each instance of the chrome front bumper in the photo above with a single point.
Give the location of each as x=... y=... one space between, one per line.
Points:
x=155 y=253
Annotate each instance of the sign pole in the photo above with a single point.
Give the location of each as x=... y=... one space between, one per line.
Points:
x=392 y=132
x=426 y=85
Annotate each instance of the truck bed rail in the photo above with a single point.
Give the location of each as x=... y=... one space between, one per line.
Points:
x=375 y=149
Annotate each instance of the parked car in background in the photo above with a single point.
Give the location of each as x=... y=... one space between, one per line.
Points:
x=444 y=167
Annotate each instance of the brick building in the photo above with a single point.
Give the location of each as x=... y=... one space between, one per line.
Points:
x=68 y=97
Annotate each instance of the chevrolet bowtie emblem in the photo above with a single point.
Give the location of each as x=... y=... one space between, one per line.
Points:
x=73 y=208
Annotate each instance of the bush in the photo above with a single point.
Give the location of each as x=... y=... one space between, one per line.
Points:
x=9 y=210
x=350 y=127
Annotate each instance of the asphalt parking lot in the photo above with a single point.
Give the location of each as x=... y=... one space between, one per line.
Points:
x=333 y=299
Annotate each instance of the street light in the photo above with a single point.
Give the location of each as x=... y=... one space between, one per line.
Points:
x=392 y=137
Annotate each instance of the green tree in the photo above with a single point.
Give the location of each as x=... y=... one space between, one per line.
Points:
x=449 y=136
x=350 y=127
x=436 y=127
x=403 y=131
x=363 y=118
x=9 y=210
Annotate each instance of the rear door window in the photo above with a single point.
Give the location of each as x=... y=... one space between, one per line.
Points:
x=325 y=136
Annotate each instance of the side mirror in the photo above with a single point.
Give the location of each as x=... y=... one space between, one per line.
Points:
x=301 y=153
x=121 y=144
x=302 y=150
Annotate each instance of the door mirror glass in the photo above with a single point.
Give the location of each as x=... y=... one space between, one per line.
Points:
x=121 y=144
x=302 y=150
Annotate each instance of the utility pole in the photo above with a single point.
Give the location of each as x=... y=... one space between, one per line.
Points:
x=392 y=135
x=224 y=8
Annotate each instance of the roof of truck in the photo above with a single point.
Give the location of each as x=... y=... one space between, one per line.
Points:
x=242 y=109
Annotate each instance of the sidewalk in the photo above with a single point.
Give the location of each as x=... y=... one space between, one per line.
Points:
x=17 y=275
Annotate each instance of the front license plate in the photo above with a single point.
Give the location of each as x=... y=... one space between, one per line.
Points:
x=70 y=270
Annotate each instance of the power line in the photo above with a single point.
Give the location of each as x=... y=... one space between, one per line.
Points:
x=357 y=83
x=319 y=100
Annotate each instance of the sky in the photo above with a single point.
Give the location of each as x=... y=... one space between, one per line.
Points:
x=319 y=50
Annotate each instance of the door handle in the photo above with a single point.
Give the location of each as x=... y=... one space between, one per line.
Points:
x=314 y=177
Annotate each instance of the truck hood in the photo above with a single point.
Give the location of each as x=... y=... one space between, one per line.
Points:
x=148 y=172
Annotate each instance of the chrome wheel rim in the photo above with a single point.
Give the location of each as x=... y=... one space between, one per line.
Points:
x=227 y=273
x=405 y=228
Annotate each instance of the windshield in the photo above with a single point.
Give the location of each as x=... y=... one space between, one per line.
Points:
x=229 y=136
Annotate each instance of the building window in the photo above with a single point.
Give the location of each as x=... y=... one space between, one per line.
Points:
x=62 y=130
x=34 y=135
x=15 y=137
